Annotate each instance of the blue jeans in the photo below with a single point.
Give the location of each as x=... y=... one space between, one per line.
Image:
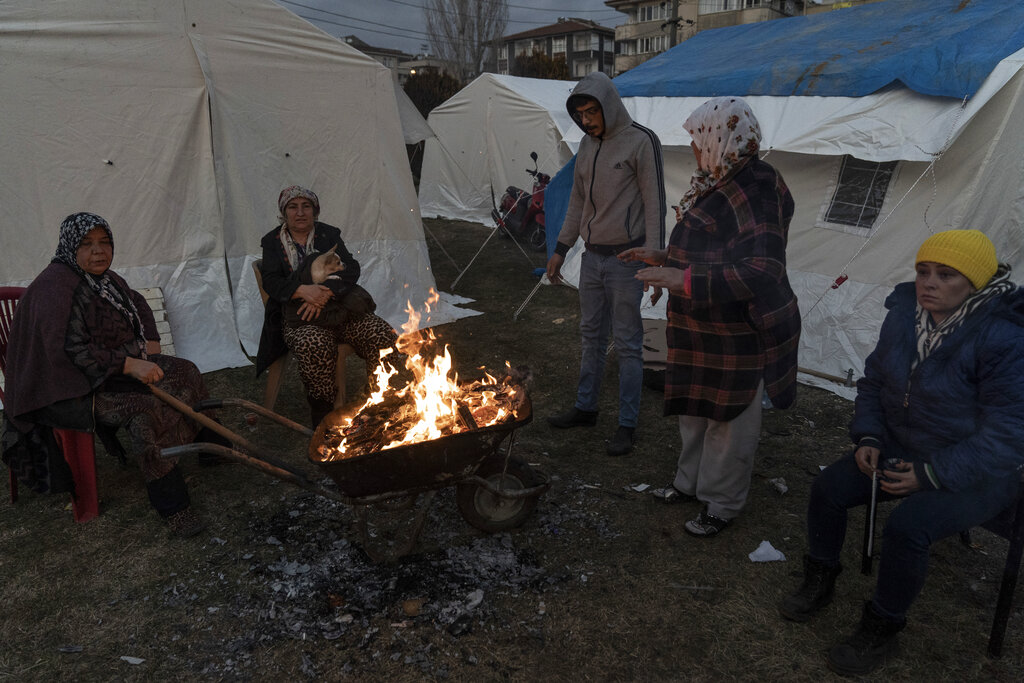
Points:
x=610 y=301
x=918 y=521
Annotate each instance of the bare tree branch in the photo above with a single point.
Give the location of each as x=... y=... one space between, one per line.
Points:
x=462 y=31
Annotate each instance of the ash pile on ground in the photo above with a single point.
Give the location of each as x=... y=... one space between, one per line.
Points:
x=304 y=577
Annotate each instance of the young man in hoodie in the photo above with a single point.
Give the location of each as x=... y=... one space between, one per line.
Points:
x=617 y=202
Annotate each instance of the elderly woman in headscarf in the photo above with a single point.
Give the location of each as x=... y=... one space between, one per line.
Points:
x=937 y=425
x=83 y=347
x=733 y=321
x=285 y=249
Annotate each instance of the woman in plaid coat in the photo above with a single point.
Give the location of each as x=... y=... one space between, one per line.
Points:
x=733 y=320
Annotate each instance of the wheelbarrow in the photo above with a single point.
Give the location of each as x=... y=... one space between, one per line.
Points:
x=495 y=491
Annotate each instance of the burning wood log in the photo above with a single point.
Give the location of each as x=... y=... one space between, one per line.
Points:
x=389 y=422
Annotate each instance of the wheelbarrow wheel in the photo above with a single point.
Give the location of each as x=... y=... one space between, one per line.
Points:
x=493 y=513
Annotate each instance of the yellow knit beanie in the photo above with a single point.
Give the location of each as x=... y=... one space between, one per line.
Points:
x=968 y=251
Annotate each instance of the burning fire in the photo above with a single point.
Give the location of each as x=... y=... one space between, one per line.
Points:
x=430 y=406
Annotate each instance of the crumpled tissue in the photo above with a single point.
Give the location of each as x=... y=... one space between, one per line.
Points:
x=766 y=553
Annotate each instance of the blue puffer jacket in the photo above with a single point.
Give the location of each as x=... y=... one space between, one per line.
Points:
x=962 y=409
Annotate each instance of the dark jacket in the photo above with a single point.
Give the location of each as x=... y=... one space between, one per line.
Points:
x=618 y=190
x=962 y=409
x=280 y=283
x=740 y=323
x=40 y=371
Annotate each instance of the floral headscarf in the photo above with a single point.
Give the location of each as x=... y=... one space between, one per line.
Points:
x=293 y=251
x=727 y=133
x=293 y=191
x=73 y=230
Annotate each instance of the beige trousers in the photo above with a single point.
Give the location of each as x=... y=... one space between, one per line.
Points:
x=717 y=458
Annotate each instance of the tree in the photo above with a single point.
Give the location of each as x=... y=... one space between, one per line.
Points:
x=462 y=31
x=539 y=65
x=429 y=89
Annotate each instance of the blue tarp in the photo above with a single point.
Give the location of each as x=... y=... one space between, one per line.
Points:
x=934 y=47
x=556 y=202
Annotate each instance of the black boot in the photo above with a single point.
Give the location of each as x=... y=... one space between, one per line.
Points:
x=169 y=493
x=574 y=417
x=866 y=650
x=318 y=410
x=814 y=593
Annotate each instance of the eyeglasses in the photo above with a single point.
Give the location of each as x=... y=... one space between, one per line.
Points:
x=590 y=112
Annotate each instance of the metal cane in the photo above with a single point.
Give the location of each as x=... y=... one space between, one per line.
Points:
x=869 y=531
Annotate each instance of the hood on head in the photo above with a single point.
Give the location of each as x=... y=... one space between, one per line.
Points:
x=601 y=88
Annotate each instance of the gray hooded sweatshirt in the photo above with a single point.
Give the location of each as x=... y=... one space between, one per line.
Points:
x=618 y=189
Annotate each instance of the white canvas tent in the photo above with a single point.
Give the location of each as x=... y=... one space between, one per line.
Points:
x=414 y=126
x=485 y=134
x=958 y=166
x=978 y=182
x=180 y=122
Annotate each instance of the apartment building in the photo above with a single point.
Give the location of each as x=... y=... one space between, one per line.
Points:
x=653 y=26
x=585 y=47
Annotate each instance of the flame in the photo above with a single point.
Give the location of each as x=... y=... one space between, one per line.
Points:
x=428 y=406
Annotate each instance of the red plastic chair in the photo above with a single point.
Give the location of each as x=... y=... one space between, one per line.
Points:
x=78 y=448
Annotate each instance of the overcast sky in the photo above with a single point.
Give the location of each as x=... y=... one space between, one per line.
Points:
x=400 y=24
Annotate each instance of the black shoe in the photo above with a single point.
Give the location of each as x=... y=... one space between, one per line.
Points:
x=670 y=495
x=318 y=411
x=574 y=417
x=815 y=592
x=622 y=442
x=185 y=524
x=705 y=524
x=868 y=648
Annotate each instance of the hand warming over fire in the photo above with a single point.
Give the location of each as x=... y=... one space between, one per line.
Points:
x=672 y=279
x=652 y=257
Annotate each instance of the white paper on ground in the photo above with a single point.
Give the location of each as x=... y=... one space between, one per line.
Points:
x=766 y=553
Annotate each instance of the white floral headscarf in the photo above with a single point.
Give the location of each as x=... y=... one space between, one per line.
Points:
x=727 y=133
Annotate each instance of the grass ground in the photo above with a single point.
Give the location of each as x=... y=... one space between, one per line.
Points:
x=600 y=583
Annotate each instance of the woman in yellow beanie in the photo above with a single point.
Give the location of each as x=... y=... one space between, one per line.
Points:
x=937 y=421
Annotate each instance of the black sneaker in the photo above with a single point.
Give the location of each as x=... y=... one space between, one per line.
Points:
x=705 y=524
x=670 y=495
x=574 y=417
x=622 y=442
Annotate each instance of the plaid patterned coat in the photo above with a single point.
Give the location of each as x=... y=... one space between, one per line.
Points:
x=740 y=322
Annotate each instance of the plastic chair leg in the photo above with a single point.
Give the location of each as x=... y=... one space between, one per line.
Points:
x=80 y=453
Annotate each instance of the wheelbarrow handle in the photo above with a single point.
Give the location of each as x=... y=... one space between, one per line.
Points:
x=273 y=467
x=208 y=404
x=209 y=423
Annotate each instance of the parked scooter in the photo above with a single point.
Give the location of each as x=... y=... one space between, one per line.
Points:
x=521 y=214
